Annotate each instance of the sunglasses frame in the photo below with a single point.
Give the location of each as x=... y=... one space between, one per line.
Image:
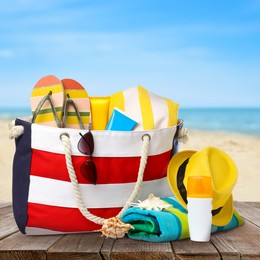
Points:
x=89 y=164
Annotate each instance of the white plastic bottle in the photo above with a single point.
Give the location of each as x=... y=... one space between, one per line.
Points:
x=199 y=195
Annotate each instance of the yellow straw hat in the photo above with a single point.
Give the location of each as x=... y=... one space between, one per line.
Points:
x=208 y=162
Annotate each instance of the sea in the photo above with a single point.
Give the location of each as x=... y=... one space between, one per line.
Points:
x=236 y=120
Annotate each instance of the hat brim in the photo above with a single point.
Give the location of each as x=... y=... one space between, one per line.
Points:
x=222 y=216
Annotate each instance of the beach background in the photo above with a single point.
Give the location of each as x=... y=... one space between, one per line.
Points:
x=233 y=130
x=204 y=55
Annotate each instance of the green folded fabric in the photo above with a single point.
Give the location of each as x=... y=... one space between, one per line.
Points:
x=167 y=225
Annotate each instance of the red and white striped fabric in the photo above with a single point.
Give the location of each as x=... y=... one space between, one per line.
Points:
x=51 y=205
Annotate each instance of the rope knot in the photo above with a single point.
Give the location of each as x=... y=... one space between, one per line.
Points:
x=115 y=228
x=15 y=130
x=183 y=136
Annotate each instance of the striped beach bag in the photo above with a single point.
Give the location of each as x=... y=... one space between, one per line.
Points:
x=50 y=195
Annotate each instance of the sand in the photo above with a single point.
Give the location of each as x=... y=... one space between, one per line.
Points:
x=7 y=148
x=245 y=151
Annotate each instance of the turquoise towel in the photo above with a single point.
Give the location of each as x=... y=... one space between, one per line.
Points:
x=166 y=225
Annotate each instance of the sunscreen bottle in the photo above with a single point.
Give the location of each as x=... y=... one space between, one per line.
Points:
x=99 y=112
x=199 y=195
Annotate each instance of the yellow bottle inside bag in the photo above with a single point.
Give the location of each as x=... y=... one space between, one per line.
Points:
x=99 y=112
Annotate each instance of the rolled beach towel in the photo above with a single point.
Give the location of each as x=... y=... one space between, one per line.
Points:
x=167 y=225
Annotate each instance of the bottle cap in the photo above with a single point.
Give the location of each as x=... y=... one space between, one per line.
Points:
x=199 y=187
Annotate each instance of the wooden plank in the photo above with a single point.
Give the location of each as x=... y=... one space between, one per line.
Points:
x=127 y=248
x=19 y=246
x=227 y=249
x=7 y=223
x=107 y=248
x=77 y=246
x=187 y=249
x=240 y=243
x=249 y=212
x=20 y=255
x=244 y=239
x=254 y=204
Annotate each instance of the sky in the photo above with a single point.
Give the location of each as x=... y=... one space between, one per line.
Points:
x=198 y=53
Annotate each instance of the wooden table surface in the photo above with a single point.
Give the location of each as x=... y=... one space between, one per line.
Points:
x=240 y=243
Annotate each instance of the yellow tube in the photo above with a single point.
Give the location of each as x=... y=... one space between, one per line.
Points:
x=99 y=112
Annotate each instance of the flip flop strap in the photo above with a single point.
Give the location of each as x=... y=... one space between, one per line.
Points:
x=68 y=102
x=39 y=106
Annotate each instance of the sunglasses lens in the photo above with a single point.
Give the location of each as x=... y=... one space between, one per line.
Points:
x=89 y=171
x=86 y=143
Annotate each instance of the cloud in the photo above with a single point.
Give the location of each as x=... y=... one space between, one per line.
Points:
x=110 y=46
x=6 y=53
x=219 y=28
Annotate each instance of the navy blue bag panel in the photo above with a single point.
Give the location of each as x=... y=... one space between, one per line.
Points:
x=21 y=175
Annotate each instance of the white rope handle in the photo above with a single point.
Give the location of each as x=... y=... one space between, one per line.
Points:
x=145 y=149
x=76 y=188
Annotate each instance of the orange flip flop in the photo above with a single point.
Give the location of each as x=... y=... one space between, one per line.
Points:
x=76 y=112
x=47 y=101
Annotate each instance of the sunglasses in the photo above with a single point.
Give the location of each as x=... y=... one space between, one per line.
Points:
x=86 y=146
